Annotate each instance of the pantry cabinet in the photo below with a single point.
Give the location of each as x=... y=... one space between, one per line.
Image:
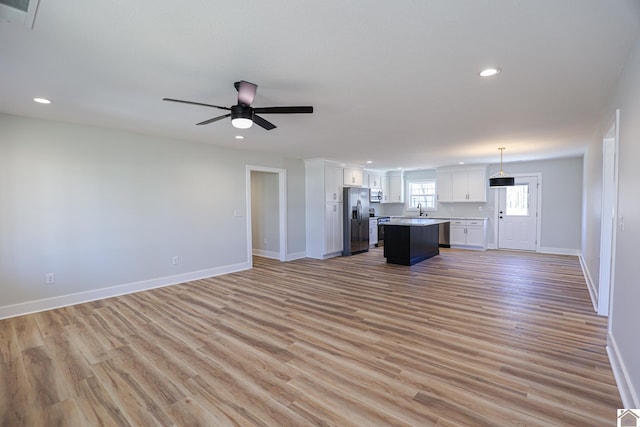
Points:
x=324 y=181
x=333 y=176
x=333 y=227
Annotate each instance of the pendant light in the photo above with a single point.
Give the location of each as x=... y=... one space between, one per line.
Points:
x=501 y=179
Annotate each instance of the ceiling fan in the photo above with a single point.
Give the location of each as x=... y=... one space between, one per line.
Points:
x=243 y=115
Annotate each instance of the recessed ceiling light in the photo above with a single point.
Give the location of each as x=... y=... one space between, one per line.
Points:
x=369 y=162
x=239 y=137
x=42 y=100
x=488 y=72
x=461 y=163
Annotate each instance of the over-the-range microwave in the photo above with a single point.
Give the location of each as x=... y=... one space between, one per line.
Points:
x=375 y=195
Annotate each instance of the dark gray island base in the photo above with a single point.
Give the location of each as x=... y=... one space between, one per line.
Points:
x=409 y=241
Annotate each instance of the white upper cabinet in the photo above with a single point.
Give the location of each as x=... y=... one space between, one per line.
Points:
x=477 y=185
x=462 y=185
x=393 y=187
x=352 y=177
x=444 y=185
x=375 y=180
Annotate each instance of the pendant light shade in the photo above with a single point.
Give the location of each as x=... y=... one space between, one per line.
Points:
x=501 y=179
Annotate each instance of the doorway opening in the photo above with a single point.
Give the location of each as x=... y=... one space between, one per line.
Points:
x=266 y=212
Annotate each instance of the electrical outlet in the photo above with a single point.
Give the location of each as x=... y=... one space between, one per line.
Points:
x=50 y=278
x=175 y=260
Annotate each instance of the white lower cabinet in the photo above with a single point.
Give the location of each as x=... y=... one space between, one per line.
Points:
x=373 y=231
x=468 y=233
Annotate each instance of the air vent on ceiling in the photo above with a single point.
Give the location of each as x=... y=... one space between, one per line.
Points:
x=19 y=11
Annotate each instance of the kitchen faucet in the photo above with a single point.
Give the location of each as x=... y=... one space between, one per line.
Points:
x=420 y=208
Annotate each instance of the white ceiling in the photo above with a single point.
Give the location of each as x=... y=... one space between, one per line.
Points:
x=392 y=82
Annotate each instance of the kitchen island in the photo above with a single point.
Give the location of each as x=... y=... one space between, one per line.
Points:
x=410 y=240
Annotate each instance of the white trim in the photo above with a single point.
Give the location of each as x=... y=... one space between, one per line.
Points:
x=296 y=255
x=612 y=280
x=114 y=291
x=590 y=285
x=558 y=251
x=628 y=394
x=282 y=209
x=266 y=254
x=28 y=18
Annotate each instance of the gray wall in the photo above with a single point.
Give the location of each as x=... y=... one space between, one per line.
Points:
x=561 y=208
x=624 y=314
x=102 y=208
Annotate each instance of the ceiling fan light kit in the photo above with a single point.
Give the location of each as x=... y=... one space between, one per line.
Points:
x=243 y=115
x=501 y=179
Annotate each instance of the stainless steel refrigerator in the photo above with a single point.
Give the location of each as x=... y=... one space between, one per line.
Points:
x=356 y=220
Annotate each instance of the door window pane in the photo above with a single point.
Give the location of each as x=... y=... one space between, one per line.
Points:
x=518 y=200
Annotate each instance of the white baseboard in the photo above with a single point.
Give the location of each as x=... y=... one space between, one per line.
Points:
x=593 y=293
x=469 y=248
x=296 y=255
x=276 y=255
x=630 y=398
x=545 y=250
x=114 y=291
x=266 y=254
x=558 y=251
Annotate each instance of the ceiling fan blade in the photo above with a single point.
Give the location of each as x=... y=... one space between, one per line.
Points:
x=263 y=123
x=195 y=103
x=215 y=119
x=246 y=92
x=283 y=110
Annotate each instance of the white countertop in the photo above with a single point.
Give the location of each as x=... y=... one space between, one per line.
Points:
x=415 y=221
x=475 y=218
x=442 y=217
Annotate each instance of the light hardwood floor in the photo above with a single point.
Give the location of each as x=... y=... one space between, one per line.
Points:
x=466 y=338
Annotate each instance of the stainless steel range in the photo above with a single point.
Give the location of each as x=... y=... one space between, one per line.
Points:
x=381 y=221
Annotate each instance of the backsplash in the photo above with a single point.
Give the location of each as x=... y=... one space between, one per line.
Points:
x=445 y=210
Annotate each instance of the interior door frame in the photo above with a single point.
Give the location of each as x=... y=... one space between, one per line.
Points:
x=496 y=209
x=607 y=252
x=282 y=210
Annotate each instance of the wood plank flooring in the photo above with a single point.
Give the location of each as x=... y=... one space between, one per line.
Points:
x=466 y=338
